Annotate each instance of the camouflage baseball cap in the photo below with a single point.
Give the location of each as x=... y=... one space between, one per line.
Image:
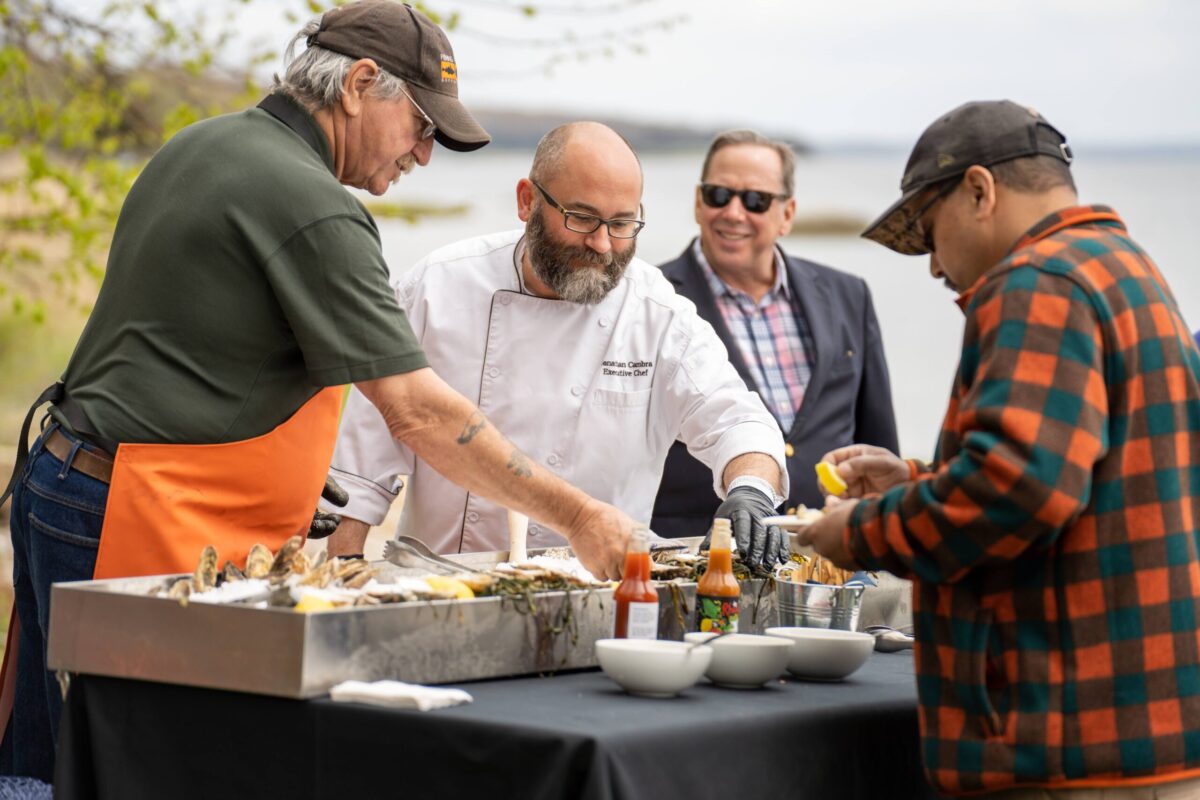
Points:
x=984 y=133
x=405 y=43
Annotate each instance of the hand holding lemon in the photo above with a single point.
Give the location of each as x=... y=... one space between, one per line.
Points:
x=859 y=470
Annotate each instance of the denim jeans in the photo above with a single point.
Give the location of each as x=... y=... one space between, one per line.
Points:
x=57 y=513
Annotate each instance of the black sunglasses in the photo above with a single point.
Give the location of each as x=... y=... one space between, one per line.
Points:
x=754 y=201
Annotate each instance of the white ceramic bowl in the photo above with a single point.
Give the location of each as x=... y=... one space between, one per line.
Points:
x=652 y=667
x=823 y=654
x=743 y=660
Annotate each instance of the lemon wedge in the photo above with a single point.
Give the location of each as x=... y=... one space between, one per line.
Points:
x=441 y=583
x=311 y=602
x=830 y=479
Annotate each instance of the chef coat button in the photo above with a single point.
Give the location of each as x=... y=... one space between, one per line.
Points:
x=505 y=299
x=554 y=460
x=788 y=450
x=472 y=516
x=494 y=372
x=603 y=321
x=577 y=391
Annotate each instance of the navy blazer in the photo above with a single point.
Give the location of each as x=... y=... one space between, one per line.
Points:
x=848 y=400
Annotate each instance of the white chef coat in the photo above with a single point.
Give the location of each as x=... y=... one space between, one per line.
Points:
x=595 y=393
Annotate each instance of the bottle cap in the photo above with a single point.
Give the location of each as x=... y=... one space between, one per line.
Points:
x=722 y=530
x=639 y=540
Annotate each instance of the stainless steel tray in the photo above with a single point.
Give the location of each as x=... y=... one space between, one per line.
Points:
x=113 y=627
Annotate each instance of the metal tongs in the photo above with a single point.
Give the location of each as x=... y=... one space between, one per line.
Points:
x=405 y=551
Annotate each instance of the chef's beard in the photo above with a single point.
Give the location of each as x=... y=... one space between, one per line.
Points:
x=570 y=271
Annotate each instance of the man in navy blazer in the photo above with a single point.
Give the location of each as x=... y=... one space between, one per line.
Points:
x=804 y=336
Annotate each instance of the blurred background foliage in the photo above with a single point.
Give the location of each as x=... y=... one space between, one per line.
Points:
x=85 y=98
x=88 y=91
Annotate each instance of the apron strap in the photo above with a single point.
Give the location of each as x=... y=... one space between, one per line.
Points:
x=80 y=424
x=51 y=394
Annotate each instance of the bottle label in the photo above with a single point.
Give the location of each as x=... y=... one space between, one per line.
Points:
x=717 y=614
x=642 y=622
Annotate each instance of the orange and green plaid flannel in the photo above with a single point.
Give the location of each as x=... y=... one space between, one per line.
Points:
x=1053 y=542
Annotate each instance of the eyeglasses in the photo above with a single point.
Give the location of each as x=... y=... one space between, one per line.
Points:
x=579 y=222
x=430 y=128
x=754 y=201
x=914 y=221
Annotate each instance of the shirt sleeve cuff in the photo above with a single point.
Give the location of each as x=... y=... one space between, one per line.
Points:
x=916 y=468
x=749 y=437
x=369 y=502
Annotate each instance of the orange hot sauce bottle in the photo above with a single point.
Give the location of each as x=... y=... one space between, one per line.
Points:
x=635 y=597
x=718 y=595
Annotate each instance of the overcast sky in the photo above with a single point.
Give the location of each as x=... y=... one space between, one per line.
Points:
x=1104 y=71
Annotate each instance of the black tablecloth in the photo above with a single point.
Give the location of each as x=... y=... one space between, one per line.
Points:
x=568 y=736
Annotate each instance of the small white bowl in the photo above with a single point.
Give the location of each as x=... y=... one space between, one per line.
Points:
x=744 y=660
x=824 y=654
x=652 y=667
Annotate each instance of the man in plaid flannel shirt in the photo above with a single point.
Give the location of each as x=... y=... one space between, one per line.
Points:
x=1053 y=543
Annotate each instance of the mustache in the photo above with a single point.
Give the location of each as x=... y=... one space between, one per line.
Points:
x=406 y=164
x=588 y=256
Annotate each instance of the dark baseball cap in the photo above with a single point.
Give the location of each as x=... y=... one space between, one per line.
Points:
x=984 y=133
x=405 y=43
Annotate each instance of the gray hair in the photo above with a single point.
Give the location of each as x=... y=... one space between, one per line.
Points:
x=316 y=78
x=787 y=156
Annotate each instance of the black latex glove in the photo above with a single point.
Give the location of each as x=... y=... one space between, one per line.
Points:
x=324 y=524
x=761 y=547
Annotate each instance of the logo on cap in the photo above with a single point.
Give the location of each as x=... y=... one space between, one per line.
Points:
x=944 y=160
x=449 y=70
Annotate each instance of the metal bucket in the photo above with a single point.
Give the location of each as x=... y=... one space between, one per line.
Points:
x=814 y=605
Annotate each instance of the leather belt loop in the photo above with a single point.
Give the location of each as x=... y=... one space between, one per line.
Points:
x=70 y=459
x=71 y=450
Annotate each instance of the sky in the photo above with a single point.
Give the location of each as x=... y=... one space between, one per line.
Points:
x=1106 y=72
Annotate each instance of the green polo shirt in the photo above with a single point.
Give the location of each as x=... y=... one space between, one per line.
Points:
x=242 y=278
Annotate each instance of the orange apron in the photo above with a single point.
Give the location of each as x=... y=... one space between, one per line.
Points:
x=167 y=501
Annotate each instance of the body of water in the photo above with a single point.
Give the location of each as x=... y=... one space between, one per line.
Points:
x=921 y=325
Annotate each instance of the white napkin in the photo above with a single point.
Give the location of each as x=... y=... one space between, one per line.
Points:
x=395 y=694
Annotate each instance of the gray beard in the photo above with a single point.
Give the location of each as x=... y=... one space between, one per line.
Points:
x=570 y=271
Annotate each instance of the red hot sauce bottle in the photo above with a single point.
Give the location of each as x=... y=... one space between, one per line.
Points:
x=636 y=598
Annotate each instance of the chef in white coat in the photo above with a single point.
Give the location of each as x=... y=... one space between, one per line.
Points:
x=581 y=353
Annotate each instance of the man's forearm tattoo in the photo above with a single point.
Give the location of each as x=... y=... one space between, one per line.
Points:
x=519 y=465
x=474 y=425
